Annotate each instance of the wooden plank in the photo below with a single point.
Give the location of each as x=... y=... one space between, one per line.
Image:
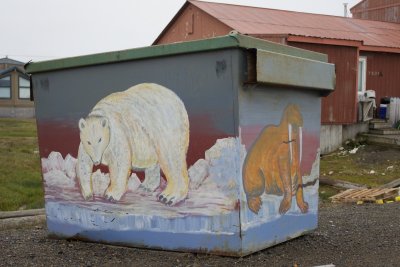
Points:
x=21 y=213
x=348 y=197
x=360 y=192
x=379 y=192
x=372 y=192
x=389 y=193
x=340 y=183
x=382 y=196
x=392 y=184
x=346 y=192
x=343 y=194
x=354 y=195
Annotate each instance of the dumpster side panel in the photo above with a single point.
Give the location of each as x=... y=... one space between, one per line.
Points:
x=65 y=96
x=80 y=109
x=280 y=129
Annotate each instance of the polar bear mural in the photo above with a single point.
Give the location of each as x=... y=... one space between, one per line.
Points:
x=145 y=127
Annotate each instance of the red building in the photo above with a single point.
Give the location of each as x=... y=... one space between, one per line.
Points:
x=380 y=10
x=366 y=53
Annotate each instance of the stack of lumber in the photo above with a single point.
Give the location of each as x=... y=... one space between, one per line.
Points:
x=366 y=195
x=358 y=193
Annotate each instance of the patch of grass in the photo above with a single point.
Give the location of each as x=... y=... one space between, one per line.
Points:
x=371 y=165
x=326 y=191
x=20 y=174
x=10 y=127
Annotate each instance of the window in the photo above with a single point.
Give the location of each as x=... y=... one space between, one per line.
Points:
x=362 y=75
x=5 y=87
x=24 y=90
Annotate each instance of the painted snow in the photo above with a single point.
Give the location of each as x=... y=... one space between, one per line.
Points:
x=270 y=203
x=211 y=204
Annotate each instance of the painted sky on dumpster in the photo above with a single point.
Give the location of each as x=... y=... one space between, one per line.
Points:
x=47 y=29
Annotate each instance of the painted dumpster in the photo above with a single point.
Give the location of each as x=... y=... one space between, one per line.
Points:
x=207 y=146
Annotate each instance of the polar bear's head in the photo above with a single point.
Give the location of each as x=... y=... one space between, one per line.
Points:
x=95 y=136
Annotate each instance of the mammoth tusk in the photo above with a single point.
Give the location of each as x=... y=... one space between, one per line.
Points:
x=300 y=142
x=290 y=141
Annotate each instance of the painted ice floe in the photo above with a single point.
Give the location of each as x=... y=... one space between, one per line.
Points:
x=270 y=203
x=58 y=171
x=213 y=186
x=197 y=173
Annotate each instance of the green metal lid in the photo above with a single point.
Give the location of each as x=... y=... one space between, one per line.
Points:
x=233 y=40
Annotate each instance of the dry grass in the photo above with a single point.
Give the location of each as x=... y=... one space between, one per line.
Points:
x=372 y=165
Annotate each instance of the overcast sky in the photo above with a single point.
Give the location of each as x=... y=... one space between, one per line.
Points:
x=48 y=29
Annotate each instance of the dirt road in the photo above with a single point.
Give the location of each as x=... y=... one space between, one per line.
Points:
x=348 y=235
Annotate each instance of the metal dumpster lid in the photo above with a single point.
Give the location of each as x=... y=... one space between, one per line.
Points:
x=232 y=40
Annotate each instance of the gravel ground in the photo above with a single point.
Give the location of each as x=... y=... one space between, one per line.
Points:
x=348 y=235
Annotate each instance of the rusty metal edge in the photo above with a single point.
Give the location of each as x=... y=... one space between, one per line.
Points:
x=288 y=70
x=233 y=40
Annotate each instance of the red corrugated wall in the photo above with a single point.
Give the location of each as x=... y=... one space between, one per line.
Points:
x=340 y=107
x=383 y=73
x=381 y=10
x=193 y=24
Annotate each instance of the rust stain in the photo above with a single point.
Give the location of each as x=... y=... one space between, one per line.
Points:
x=256 y=21
x=341 y=105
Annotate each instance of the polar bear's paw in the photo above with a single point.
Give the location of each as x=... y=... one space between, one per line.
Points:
x=113 y=194
x=150 y=185
x=171 y=199
x=87 y=195
x=86 y=191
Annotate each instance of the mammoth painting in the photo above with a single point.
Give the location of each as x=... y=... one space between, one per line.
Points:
x=272 y=165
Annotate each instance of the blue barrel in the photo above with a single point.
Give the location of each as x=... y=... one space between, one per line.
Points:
x=382 y=111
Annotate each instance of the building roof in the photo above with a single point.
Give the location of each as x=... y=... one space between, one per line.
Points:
x=11 y=69
x=233 y=40
x=261 y=21
x=7 y=60
x=308 y=69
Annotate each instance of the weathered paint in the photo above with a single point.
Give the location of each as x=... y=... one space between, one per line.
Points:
x=126 y=131
x=383 y=74
x=331 y=138
x=340 y=107
x=380 y=10
x=261 y=108
x=225 y=117
x=256 y=21
x=211 y=122
x=233 y=40
x=274 y=68
x=272 y=165
x=191 y=23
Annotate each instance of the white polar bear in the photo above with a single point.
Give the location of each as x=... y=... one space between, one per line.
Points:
x=145 y=127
